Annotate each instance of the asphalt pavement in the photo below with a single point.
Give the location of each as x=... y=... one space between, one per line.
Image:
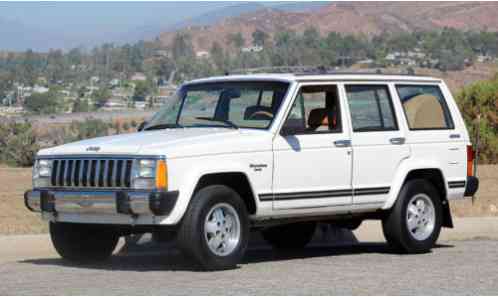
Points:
x=468 y=266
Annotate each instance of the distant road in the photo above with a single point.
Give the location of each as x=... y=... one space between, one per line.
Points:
x=81 y=116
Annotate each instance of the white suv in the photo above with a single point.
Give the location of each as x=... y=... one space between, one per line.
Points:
x=270 y=152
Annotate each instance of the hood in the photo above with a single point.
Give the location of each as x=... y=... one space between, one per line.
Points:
x=169 y=142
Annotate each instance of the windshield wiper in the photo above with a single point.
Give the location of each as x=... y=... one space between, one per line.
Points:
x=227 y=122
x=162 y=126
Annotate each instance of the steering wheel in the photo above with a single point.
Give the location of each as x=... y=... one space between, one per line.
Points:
x=261 y=113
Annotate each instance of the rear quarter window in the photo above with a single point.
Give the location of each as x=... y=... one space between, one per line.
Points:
x=425 y=107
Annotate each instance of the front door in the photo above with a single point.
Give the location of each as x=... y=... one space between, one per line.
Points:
x=379 y=145
x=312 y=153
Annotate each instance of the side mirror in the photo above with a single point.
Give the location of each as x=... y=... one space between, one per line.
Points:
x=142 y=126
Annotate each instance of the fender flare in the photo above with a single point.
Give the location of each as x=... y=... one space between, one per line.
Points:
x=407 y=166
x=191 y=180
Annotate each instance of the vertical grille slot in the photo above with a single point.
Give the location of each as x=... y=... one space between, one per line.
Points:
x=55 y=165
x=84 y=173
x=62 y=169
x=118 y=173
x=127 y=178
x=76 y=170
x=93 y=175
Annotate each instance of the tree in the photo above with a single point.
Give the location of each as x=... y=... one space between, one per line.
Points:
x=311 y=37
x=481 y=99
x=259 y=37
x=237 y=40
x=29 y=68
x=142 y=89
x=182 y=46
x=81 y=105
x=218 y=56
x=101 y=96
x=42 y=103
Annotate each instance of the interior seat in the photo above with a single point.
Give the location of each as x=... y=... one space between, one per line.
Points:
x=424 y=111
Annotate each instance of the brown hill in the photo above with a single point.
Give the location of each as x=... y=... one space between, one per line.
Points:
x=368 y=18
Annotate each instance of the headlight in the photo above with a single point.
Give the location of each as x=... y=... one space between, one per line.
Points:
x=42 y=171
x=150 y=174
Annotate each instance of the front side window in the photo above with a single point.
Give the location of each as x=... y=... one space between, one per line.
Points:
x=315 y=110
x=223 y=104
x=425 y=107
x=371 y=108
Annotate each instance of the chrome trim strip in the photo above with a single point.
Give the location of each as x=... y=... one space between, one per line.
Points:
x=101 y=156
x=80 y=174
x=106 y=173
x=57 y=173
x=89 y=173
x=114 y=173
x=123 y=173
x=72 y=180
x=64 y=177
x=97 y=174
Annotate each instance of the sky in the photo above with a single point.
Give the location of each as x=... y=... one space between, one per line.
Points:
x=66 y=24
x=98 y=14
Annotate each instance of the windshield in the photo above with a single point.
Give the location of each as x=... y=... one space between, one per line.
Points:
x=224 y=104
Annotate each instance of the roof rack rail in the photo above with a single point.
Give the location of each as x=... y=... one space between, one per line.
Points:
x=322 y=70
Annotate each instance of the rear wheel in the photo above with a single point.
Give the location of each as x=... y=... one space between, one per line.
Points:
x=215 y=228
x=82 y=242
x=414 y=223
x=291 y=236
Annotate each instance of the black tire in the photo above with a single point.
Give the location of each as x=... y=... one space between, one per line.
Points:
x=83 y=243
x=395 y=226
x=290 y=236
x=191 y=238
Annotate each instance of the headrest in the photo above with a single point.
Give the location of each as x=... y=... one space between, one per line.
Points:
x=424 y=111
x=320 y=117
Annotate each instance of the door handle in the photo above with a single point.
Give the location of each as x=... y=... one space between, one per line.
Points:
x=397 y=140
x=342 y=143
x=454 y=136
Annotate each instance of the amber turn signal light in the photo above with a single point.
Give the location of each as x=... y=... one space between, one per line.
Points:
x=161 y=175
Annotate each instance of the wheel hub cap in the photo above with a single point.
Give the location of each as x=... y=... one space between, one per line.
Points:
x=222 y=229
x=420 y=217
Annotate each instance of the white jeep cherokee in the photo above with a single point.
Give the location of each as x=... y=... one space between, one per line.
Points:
x=275 y=153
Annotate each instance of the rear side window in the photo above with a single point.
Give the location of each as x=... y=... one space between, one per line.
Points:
x=371 y=108
x=425 y=107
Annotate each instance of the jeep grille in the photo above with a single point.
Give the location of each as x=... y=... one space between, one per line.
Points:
x=92 y=173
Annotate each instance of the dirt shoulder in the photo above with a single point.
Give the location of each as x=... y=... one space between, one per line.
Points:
x=15 y=219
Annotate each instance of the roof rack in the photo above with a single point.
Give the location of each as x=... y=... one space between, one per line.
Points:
x=322 y=70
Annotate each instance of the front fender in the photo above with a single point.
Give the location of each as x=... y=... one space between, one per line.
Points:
x=188 y=171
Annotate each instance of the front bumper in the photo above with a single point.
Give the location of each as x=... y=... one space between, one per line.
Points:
x=134 y=203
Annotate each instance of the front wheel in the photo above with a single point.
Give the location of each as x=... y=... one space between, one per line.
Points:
x=215 y=228
x=414 y=223
x=83 y=243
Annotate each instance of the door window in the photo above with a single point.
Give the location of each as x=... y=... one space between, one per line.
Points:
x=371 y=108
x=315 y=110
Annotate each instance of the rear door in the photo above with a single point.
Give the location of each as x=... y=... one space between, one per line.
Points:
x=379 y=145
x=433 y=134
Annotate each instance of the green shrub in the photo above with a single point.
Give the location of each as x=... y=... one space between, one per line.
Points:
x=18 y=143
x=481 y=98
x=90 y=128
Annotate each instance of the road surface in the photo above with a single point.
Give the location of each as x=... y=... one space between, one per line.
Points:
x=29 y=266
